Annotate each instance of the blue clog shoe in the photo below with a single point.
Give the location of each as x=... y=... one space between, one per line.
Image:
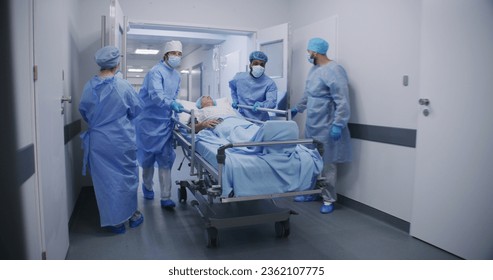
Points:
x=119 y=229
x=136 y=219
x=148 y=194
x=168 y=204
x=327 y=208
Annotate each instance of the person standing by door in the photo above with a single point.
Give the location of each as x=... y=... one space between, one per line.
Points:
x=108 y=105
x=154 y=125
x=254 y=88
x=326 y=100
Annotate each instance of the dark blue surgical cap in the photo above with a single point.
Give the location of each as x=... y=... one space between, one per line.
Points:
x=107 y=57
x=258 y=55
x=318 y=45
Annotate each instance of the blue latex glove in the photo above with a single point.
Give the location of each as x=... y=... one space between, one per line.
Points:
x=234 y=105
x=177 y=107
x=335 y=132
x=294 y=111
x=256 y=105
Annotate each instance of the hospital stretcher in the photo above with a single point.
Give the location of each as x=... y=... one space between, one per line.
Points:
x=225 y=211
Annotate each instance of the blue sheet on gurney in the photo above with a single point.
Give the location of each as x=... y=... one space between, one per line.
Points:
x=258 y=170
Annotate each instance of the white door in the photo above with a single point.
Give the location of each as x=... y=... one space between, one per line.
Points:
x=50 y=157
x=453 y=199
x=274 y=42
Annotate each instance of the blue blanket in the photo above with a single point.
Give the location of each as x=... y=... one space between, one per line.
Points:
x=261 y=169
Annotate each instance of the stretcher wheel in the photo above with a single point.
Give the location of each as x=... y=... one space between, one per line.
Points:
x=182 y=194
x=282 y=229
x=212 y=237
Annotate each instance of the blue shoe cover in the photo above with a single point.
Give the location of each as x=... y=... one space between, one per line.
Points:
x=136 y=220
x=168 y=204
x=117 y=229
x=306 y=198
x=147 y=194
x=326 y=209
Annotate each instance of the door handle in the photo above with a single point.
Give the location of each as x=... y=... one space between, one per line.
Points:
x=424 y=101
x=66 y=99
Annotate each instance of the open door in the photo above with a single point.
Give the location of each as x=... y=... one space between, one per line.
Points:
x=274 y=42
x=116 y=26
x=50 y=147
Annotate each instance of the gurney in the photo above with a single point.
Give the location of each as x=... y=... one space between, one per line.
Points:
x=237 y=182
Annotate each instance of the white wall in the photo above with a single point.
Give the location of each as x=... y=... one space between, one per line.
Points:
x=378 y=43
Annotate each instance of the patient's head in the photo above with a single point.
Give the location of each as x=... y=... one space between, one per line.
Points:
x=205 y=101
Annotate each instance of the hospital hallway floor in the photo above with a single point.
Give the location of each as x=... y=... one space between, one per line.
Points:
x=345 y=234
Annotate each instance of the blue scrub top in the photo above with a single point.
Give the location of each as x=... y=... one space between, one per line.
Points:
x=246 y=90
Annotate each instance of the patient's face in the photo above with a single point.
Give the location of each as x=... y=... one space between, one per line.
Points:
x=207 y=101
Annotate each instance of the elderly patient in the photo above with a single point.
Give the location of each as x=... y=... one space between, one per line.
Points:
x=209 y=114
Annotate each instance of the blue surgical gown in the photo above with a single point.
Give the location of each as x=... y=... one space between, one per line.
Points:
x=246 y=90
x=326 y=100
x=154 y=125
x=109 y=105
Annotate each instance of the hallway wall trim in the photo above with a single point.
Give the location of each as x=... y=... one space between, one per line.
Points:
x=71 y=130
x=383 y=134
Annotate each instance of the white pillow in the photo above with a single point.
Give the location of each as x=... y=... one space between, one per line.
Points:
x=223 y=101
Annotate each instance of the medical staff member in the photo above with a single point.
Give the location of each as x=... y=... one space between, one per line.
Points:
x=326 y=100
x=154 y=125
x=254 y=88
x=108 y=105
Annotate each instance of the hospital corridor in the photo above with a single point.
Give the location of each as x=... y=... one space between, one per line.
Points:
x=208 y=130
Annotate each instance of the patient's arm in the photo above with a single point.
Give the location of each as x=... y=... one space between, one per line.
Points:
x=211 y=123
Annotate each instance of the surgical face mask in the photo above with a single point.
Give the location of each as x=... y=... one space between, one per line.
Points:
x=174 y=61
x=310 y=58
x=257 y=71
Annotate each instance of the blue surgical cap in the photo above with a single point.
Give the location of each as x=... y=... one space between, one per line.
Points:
x=258 y=55
x=107 y=57
x=198 y=104
x=318 y=45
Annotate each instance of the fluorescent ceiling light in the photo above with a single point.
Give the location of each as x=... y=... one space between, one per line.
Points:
x=136 y=70
x=146 y=51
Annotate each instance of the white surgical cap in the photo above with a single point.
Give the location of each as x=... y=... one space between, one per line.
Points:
x=107 y=57
x=172 y=46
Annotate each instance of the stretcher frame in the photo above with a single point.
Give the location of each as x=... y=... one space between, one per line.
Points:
x=220 y=212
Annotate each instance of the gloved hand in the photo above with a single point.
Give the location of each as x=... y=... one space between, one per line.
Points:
x=256 y=105
x=234 y=105
x=177 y=107
x=294 y=111
x=335 y=132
